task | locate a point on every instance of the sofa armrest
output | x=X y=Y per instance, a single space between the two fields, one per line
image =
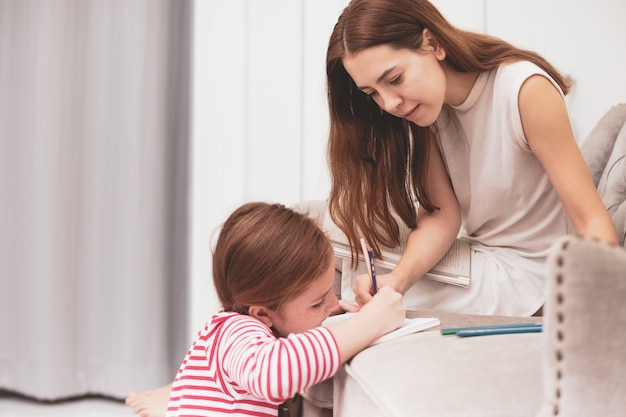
x=585 y=329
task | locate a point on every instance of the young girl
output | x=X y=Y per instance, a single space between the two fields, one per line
x=473 y=131
x=273 y=270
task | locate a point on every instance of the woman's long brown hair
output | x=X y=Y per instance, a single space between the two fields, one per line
x=369 y=151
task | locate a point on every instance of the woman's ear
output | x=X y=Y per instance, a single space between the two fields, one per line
x=262 y=314
x=430 y=43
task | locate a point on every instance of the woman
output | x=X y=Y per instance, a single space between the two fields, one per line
x=469 y=129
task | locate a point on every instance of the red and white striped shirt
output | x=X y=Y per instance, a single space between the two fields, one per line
x=237 y=367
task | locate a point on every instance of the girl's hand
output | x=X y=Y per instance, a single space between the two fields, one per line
x=386 y=309
x=383 y=314
x=363 y=286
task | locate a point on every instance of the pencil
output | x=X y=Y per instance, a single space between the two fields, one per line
x=454 y=330
x=368 y=254
x=500 y=330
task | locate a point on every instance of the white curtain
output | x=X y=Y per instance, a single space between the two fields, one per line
x=93 y=194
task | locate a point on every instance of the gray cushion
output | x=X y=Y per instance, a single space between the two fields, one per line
x=612 y=185
x=604 y=151
x=598 y=145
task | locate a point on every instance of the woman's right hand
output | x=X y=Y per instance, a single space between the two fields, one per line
x=363 y=286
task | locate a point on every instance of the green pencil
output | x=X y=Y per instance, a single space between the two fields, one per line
x=453 y=330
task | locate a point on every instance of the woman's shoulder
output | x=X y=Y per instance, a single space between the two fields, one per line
x=518 y=66
x=517 y=70
x=513 y=74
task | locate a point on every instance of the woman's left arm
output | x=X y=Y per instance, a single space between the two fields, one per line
x=548 y=130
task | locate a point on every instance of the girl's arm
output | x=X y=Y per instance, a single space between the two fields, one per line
x=275 y=369
x=548 y=130
x=429 y=241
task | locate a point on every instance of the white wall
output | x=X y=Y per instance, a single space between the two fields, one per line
x=259 y=123
x=260 y=116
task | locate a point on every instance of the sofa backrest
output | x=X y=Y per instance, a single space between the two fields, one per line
x=604 y=151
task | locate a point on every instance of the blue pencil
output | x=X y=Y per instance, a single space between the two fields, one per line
x=453 y=330
x=500 y=330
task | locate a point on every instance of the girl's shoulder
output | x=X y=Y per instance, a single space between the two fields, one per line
x=230 y=321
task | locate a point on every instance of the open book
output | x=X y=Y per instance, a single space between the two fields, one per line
x=453 y=268
x=410 y=326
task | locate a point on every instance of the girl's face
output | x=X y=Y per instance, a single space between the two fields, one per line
x=405 y=83
x=309 y=309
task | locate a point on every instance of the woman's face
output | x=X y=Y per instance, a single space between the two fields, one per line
x=405 y=83
x=309 y=309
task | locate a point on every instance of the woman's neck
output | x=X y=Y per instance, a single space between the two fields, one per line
x=459 y=85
